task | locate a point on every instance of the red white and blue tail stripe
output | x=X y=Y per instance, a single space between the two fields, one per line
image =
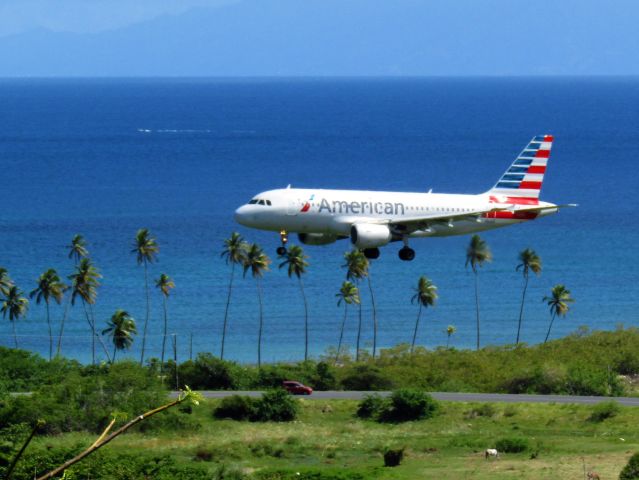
x=526 y=175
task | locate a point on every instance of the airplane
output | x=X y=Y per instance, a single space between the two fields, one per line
x=373 y=219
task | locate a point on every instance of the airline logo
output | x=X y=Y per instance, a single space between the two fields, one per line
x=307 y=205
x=527 y=172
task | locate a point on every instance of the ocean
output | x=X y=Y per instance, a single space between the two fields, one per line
x=105 y=157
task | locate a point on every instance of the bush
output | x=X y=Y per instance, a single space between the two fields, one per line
x=208 y=372
x=631 y=470
x=237 y=407
x=512 y=445
x=604 y=410
x=365 y=377
x=586 y=380
x=86 y=402
x=392 y=458
x=275 y=406
x=484 y=410
x=324 y=377
x=408 y=404
x=370 y=406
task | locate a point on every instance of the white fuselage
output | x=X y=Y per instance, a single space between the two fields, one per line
x=333 y=212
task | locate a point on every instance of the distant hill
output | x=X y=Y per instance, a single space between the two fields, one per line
x=346 y=37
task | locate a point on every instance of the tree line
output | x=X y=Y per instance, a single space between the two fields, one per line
x=121 y=328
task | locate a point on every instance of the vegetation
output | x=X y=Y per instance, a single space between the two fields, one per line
x=631 y=470
x=477 y=254
x=295 y=261
x=356 y=269
x=349 y=294
x=146 y=248
x=530 y=262
x=257 y=262
x=49 y=286
x=401 y=406
x=425 y=296
x=15 y=307
x=558 y=303
x=234 y=253
x=121 y=328
x=165 y=284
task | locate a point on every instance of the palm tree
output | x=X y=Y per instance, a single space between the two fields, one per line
x=450 y=330
x=257 y=262
x=49 y=286
x=349 y=294
x=15 y=306
x=425 y=296
x=165 y=284
x=295 y=260
x=357 y=268
x=477 y=254
x=78 y=248
x=77 y=251
x=558 y=303
x=234 y=252
x=146 y=248
x=121 y=328
x=529 y=261
x=84 y=284
x=5 y=281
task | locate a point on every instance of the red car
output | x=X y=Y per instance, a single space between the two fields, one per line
x=296 y=388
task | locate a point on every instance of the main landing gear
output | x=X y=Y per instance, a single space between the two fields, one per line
x=281 y=251
x=406 y=253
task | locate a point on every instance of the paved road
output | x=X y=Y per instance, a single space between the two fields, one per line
x=452 y=397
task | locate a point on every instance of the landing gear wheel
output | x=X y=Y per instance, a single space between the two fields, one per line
x=371 y=253
x=407 y=254
x=281 y=251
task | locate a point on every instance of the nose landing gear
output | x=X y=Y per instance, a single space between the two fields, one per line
x=281 y=251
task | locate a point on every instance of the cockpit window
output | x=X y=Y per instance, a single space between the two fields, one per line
x=261 y=202
x=253 y=202
x=268 y=202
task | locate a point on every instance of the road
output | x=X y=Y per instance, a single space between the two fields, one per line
x=451 y=397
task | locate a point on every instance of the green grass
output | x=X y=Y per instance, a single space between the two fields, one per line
x=327 y=438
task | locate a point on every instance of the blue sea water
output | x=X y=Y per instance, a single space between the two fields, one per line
x=106 y=157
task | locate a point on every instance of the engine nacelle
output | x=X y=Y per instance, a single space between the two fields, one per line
x=367 y=235
x=316 y=238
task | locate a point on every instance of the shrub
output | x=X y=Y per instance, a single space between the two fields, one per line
x=484 y=410
x=408 y=404
x=370 y=406
x=512 y=445
x=237 y=407
x=324 y=377
x=604 y=410
x=392 y=458
x=631 y=470
x=365 y=377
x=276 y=406
x=207 y=372
x=587 y=380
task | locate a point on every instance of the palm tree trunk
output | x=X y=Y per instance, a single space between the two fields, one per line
x=477 y=306
x=64 y=317
x=15 y=335
x=115 y=349
x=305 y=320
x=226 y=310
x=550 y=326
x=259 y=334
x=448 y=342
x=521 y=310
x=419 y=314
x=341 y=333
x=359 y=333
x=50 y=332
x=106 y=351
x=370 y=288
x=92 y=327
x=164 y=336
x=148 y=308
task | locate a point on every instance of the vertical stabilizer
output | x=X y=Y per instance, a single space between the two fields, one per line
x=526 y=175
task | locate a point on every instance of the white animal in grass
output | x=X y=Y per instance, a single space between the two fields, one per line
x=491 y=452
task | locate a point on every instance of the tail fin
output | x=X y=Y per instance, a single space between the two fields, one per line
x=526 y=174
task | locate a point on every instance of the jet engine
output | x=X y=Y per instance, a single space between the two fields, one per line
x=365 y=235
x=316 y=238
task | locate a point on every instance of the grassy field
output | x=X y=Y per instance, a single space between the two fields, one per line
x=328 y=441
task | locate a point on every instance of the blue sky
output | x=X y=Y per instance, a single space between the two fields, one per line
x=318 y=37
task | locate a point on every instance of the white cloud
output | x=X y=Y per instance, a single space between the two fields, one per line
x=88 y=16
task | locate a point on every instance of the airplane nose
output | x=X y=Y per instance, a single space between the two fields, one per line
x=241 y=215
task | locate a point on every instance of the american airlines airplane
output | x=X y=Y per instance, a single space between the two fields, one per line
x=373 y=219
